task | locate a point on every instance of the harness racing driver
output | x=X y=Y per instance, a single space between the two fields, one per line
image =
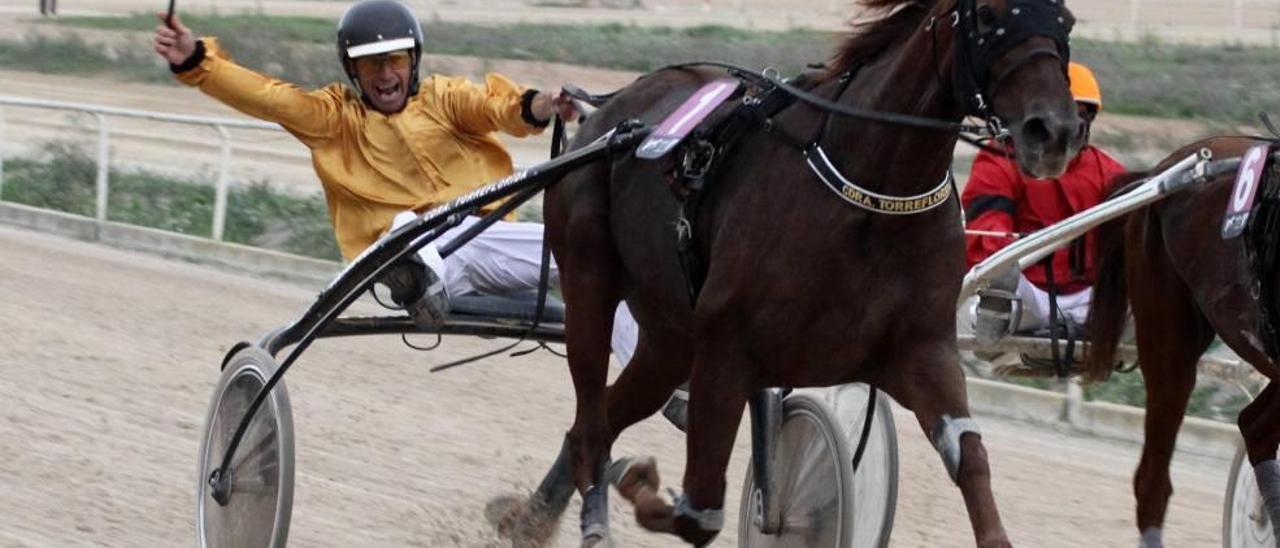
x=392 y=144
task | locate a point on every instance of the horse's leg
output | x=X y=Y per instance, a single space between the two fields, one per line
x=644 y=385
x=591 y=277
x=1260 y=424
x=929 y=382
x=1171 y=335
x=1168 y=361
x=717 y=398
x=591 y=294
x=662 y=361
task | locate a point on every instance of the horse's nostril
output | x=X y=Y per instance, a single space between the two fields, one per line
x=1036 y=131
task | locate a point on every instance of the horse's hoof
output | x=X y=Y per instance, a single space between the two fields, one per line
x=689 y=531
x=516 y=518
x=1152 y=537
x=996 y=543
x=654 y=514
x=597 y=541
x=630 y=476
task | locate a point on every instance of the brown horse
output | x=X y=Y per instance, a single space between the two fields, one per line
x=1184 y=284
x=801 y=288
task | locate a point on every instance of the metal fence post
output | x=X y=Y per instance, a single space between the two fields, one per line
x=1074 y=398
x=1 y=153
x=220 y=191
x=104 y=166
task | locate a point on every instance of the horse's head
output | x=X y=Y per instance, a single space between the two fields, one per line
x=1011 y=66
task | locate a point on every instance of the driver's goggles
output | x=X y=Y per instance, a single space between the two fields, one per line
x=397 y=60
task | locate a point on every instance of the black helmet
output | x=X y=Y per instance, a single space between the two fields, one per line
x=370 y=27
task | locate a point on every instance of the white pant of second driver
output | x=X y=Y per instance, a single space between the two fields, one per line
x=1035 y=307
x=507 y=258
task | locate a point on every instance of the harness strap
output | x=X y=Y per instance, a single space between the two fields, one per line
x=753 y=112
x=874 y=202
x=557 y=147
x=1058 y=368
x=1062 y=361
x=1262 y=249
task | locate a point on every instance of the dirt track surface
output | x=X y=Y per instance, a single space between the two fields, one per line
x=109 y=359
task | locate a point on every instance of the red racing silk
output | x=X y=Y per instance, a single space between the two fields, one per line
x=999 y=198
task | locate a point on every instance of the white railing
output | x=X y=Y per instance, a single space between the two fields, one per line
x=101 y=115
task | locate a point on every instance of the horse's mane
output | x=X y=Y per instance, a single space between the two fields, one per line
x=891 y=21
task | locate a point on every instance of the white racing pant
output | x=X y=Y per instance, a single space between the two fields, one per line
x=507 y=258
x=1035 y=306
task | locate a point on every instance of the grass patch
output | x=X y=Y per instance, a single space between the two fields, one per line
x=62 y=178
x=1229 y=83
x=613 y=46
x=1209 y=399
x=1151 y=78
x=69 y=53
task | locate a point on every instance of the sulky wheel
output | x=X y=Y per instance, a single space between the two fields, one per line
x=812 y=467
x=1244 y=521
x=256 y=514
x=875 y=482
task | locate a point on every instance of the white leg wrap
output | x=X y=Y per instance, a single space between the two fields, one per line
x=1268 y=474
x=595 y=512
x=707 y=520
x=946 y=440
x=1152 y=537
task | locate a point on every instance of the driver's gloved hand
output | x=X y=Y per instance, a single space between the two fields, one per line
x=995 y=309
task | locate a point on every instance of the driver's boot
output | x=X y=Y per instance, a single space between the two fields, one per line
x=996 y=315
x=419 y=290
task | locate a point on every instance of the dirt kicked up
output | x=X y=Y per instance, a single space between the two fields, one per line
x=107 y=359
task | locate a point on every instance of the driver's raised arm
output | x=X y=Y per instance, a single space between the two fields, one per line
x=311 y=116
x=498 y=105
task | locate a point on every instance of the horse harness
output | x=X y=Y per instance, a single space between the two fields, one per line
x=982 y=37
x=1262 y=251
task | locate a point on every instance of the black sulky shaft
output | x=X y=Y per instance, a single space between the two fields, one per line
x=361 y=274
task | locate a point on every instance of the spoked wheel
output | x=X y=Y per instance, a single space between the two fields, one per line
x=261 y=499
x=1244 y=520
x=812 y=467
x=875 y=482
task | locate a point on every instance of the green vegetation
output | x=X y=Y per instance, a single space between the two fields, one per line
x=69 y=53
x=612 y=46
x=1210 y=399
x=1226 y=83
x=62 y=178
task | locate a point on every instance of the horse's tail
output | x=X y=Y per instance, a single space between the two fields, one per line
x=1108 y=311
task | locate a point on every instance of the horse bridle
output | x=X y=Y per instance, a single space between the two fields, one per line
x=982 y=37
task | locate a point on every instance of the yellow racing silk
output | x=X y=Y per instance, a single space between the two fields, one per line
x=374 y=165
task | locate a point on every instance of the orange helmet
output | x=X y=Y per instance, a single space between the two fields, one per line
x=1084 y=87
